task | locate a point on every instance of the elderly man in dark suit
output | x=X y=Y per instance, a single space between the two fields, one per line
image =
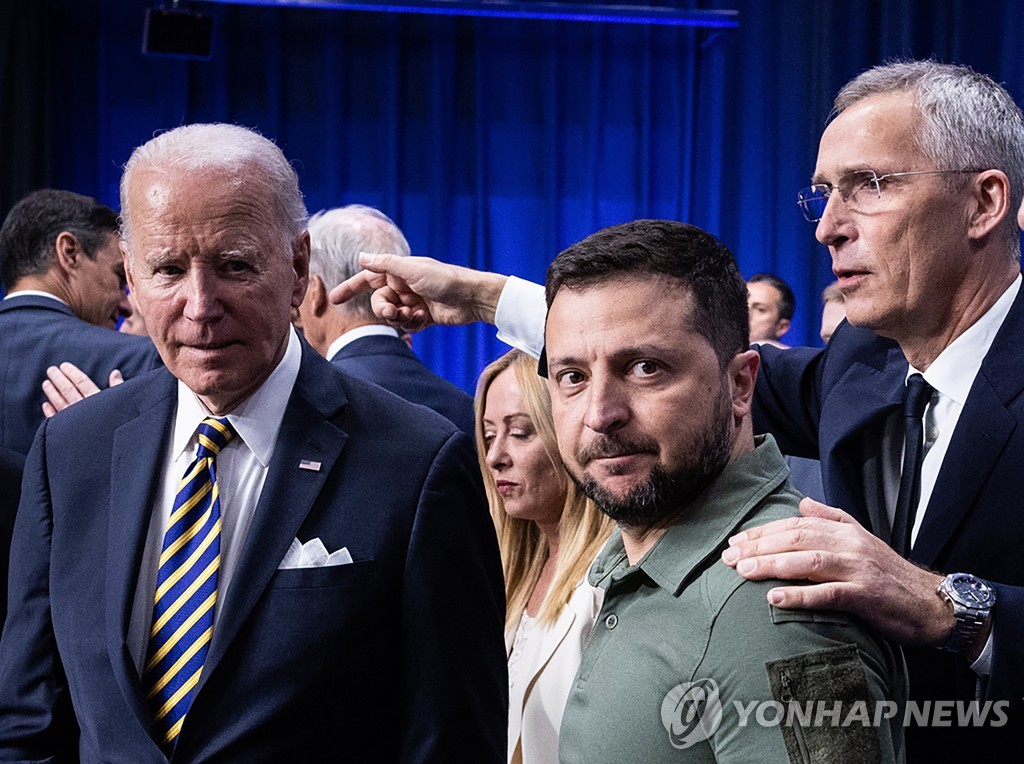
x=350 y=335
x=62 y=271
x=248 y=555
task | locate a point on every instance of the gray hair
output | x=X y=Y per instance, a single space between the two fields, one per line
x=968 y=121
x=221 y=146
x=337 y=236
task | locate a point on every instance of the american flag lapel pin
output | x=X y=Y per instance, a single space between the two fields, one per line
x=306 y=464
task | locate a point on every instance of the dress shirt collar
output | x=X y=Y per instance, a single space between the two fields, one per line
x=952 y=373
x=256 y=420
x=35 y=293
x=370 y=330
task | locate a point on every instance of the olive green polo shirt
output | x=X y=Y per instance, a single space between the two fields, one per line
x=680 y=625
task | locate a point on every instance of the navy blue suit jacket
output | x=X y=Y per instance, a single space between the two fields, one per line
x=388 y=362
x=832 y=404
x=38 y=332
x=397 y=656
x=11 y=465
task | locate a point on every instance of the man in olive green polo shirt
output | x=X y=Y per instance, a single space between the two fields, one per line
x=651 y=381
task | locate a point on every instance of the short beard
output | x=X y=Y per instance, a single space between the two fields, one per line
x=664 y=495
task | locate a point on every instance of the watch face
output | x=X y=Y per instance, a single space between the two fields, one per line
x=971 y=591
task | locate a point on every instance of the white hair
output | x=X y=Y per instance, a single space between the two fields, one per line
x=337 y=236
x=968 y=121
x=220 y=146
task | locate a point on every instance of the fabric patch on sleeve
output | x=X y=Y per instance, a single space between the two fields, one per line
x=828 y=712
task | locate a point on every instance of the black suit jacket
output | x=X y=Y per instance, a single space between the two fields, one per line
x=832 y=405
x=397 y=656
x=388 y=362
x=38 y=332
x=11 y=465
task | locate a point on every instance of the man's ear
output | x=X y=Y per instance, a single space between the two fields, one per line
x=127 y=262
x=316 y=294
x=742 y=378
x=300 y=264
x=69 y=251
x=782 y=327
x=991 y=193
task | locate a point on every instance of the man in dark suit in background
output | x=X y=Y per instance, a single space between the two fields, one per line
x=62 y=271
x=323 y=582
x=350 y=336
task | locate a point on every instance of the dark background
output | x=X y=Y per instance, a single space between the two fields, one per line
x=493 y=143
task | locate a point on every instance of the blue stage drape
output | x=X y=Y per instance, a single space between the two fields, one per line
x=493 y=143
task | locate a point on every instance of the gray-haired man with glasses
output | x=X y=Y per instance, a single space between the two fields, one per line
x=928 y=162
x=918 y=177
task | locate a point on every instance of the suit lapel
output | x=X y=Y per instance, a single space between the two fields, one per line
x=552 y=638
x=136 y=453
x=287 y=496
x=981 y=433
x=873 y=393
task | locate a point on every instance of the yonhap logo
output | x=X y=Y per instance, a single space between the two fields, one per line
x=691 y=712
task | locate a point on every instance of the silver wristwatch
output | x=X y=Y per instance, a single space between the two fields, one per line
x=972 y=600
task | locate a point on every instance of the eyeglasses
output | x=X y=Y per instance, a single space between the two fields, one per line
x=861 y=191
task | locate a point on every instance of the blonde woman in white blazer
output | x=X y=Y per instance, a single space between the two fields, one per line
x=549 y=533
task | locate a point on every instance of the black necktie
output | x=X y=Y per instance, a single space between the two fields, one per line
x=918 y=394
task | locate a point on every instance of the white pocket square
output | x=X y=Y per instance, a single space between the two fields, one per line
x=313 y=554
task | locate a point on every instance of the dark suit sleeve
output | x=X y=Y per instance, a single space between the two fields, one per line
x=1006 y=680
x=787 y=398
x=36 y=719
x=12 y=464
x=455 y=696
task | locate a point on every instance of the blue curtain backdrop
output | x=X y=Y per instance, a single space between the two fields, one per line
x=493 y=143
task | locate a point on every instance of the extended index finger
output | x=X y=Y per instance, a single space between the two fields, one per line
x=362 y=282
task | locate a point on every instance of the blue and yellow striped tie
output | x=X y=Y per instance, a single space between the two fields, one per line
x=186 y=589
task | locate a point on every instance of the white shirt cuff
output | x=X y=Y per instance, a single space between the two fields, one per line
x=520 y=315
x=983 y=665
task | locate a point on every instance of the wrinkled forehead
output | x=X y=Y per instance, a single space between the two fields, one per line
x=614 y=315
x=879 y=132
x=185 y=196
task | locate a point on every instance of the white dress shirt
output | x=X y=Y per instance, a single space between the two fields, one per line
x=519 y=315
x=241 y=471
